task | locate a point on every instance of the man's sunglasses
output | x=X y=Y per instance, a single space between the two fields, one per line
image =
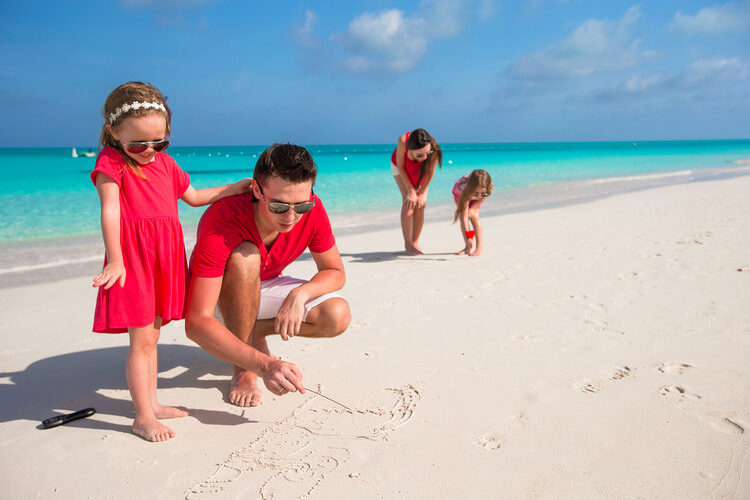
x=139 y=147
x=279 y=208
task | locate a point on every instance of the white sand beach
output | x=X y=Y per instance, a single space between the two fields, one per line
x=595 y=351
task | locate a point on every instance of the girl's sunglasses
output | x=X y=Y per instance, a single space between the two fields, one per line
x=279 y=208
x=141 y=146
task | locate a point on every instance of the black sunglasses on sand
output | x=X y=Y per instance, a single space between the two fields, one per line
x=139 y=147
x=279 y=208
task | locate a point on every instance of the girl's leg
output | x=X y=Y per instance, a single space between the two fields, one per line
x=160 y=411
x=138 y=372
x=418 y=224
x=407 y=219
x=477 y=224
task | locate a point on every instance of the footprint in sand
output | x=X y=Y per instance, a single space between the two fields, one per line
x=595 y=315
x=673 y=368
x=692 y=403
x=695 y=239
x=494 y=440
x=292 y=458
x=596 y=385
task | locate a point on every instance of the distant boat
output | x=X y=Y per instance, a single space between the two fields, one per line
x=89 y=154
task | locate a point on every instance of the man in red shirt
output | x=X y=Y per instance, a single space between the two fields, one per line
x=244 y=243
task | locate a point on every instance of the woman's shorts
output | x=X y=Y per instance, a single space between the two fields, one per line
x=394 y=170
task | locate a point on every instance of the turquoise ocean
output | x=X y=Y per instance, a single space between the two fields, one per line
x=49 y=209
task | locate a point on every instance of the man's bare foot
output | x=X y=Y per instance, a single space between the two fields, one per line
x=244 y=390
x=162 y=411
x=152 y=430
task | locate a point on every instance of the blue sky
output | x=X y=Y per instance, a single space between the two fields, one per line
x=252 y=72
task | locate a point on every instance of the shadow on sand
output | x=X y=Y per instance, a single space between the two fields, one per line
x=387 y=256
x=80 y=380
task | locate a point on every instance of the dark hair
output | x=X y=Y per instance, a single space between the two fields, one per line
x=286 y=161
x=124 y=95
x=418 y=139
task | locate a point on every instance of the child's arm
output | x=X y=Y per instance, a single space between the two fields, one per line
x=464 y=218
x=109 y=195
x=199 y=197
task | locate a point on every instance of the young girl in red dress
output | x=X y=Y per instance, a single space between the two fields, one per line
x=469 y=192
x=143 y=282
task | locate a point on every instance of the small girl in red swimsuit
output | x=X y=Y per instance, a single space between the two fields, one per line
x=142 y=285
x=469 y=192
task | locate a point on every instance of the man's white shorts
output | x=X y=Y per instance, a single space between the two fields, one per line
x=273 y=292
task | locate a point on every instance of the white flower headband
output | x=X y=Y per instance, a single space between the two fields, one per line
x=135 y=105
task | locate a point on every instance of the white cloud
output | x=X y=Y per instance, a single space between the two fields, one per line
x=486 y=9
x=730 y=18
x=714 y=72
x=304 y=33
x=385 y=42
x=442 y=18
x=596 y=46
x=715 y=77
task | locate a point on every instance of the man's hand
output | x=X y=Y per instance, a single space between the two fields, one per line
x=281 y=377
x=290 y=315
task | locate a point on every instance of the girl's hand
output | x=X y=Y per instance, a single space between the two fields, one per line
x=411 y=199
x=111 y=274
x=242 y=187
x=421 y=200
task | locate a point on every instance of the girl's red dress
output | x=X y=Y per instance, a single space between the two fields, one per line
x=152 y=245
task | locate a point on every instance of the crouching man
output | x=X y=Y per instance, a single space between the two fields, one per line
x=244 y=243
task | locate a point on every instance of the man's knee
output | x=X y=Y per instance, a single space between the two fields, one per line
x=243 y=263
x=335 y=316
x=240 y=288
x=243 y=254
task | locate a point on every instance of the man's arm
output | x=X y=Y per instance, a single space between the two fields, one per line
x=329 y=278
x=205 y=330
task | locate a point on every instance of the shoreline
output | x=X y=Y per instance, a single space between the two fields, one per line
x=28 y=262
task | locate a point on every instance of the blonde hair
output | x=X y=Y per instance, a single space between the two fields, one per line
x=119 y=106
x=477 y=179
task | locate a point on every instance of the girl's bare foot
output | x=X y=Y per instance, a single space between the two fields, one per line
x=162 y=411
x=152 y=430
x=414 y=250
